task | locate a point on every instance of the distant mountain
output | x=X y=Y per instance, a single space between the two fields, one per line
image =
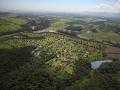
x=4 y=13
x=102 y=14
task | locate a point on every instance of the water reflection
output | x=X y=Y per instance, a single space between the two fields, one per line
x=97 y=64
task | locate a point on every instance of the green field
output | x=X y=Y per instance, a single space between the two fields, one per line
x=10 y=23
x=93 y=28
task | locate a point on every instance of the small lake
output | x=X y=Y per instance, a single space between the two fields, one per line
x=97 y=64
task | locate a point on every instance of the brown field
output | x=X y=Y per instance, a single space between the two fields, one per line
x=113 y=52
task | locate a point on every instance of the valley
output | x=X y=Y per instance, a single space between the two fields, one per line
x=54 y=52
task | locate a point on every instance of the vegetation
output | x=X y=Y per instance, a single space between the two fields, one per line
x=10 y=23
x=93 y=28
x=54 y=60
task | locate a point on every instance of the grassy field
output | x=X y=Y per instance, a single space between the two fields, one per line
x=93 y=28
x=102 y=36
x=10 y=23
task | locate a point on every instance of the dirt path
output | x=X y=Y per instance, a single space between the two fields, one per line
x=44 y=30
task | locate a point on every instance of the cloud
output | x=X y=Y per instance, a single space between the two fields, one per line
x=119 y=1
x=52 y=7
x=112 y=8
x=104 y=6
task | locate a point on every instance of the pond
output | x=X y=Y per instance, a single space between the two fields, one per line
x=97 y=64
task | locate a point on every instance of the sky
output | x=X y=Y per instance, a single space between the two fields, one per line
x=112 y=6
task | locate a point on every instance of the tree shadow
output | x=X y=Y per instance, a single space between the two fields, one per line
x=14 y=58
x=11 y=59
